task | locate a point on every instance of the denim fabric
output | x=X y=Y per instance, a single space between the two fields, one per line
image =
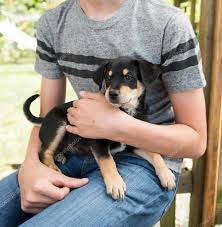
x=145 y=203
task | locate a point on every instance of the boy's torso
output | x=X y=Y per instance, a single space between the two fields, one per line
x=135 y=30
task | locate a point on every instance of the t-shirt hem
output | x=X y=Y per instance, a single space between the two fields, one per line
x=49 y=74
x=182 y=88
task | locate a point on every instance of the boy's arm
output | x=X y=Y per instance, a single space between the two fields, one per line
x=37 y=190
x=186 y=138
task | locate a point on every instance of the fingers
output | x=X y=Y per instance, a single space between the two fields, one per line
x=72 y=129
x=32 y=210
x=71 y=118
x=55 y=193
x=70 y=182
x=35 y=203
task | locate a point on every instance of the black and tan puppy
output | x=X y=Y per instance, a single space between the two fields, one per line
x=125 y=80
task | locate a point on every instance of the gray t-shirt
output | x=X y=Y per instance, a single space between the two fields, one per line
x=72 y=44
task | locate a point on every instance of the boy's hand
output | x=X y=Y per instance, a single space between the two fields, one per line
x=94 y=117
x=41 y=186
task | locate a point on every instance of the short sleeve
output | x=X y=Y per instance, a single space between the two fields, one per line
x=181 y=58
x=46 y=62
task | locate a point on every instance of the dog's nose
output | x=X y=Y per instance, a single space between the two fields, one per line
x=113 y=93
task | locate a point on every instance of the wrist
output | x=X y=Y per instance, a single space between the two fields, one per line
x=120 y=125
x=32 y=156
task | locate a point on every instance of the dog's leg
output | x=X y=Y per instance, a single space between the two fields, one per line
x=167 y=178
x=48 y=159
x=47 y=155
x=115 y=186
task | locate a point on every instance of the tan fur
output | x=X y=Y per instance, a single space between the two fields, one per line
x=132 y=95
x=48 y=158
x=110 y=73
x=115 y=185
x=167 y=178
x=125 y=71
x=128 y=97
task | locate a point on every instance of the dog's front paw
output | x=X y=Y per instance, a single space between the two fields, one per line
x=167 y=178
x=116 y=187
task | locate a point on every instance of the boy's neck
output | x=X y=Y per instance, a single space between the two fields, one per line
x=100 y=9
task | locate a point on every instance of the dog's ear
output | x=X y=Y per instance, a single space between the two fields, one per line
x=99 y=74
x=148 y=72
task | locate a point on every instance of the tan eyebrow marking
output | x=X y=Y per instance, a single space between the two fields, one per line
x=110 y=73
x=125 y=71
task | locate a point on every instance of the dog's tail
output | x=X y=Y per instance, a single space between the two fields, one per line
x=27 y=112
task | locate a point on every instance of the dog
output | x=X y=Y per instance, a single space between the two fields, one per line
x=125 y=81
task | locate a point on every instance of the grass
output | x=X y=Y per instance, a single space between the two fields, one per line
x=17 y=82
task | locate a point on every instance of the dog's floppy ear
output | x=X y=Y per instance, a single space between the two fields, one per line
x=148 y=72
x=99 y=74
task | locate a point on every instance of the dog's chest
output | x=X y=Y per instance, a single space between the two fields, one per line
x=130 y=108
x=118 y=147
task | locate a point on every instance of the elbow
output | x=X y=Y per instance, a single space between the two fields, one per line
x=201 y=149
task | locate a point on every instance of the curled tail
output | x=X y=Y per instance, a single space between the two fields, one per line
x=27 y=112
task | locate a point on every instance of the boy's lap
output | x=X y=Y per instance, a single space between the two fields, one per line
x=90 y=206
x=144 y=203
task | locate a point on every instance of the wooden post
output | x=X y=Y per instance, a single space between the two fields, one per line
x=193 y=13
x=206 y=41
x=219 y=197
x=214 y=124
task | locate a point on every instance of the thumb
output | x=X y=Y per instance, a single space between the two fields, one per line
x=90 y=95
x=71 y=182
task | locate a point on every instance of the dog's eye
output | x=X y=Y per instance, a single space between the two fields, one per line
x=129 y=76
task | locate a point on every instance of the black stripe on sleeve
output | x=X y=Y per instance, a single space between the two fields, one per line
x=180 y=65
x=81 y=59
x=45 y=57
x=180 y=49
x=45 y=47
x=77 y=72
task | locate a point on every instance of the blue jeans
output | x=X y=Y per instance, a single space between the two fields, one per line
x=145 y=203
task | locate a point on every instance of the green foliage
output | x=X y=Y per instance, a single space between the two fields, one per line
x=9 y=52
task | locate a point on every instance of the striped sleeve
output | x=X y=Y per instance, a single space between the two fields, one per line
x=181 y=58
x=46 y=62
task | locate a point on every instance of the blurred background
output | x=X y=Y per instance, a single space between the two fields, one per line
x=18 y=80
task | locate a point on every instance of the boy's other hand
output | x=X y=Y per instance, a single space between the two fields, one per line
x=41 y=186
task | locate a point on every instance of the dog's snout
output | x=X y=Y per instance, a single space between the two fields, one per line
x=113 y=93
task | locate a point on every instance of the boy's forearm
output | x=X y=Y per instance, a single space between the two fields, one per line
x=171 y=140
x=34 y=144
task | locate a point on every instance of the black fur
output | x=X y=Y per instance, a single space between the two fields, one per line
x=27 y=112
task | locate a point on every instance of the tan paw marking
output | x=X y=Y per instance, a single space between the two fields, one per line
x=167 y=178
x=116 y=187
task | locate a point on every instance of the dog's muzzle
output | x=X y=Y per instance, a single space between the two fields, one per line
x=114 y=96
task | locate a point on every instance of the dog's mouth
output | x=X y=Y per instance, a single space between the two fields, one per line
x=119 y=104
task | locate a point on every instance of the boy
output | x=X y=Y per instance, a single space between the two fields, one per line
x=73 y=39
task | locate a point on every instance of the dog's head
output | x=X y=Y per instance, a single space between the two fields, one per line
x=126 y=80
